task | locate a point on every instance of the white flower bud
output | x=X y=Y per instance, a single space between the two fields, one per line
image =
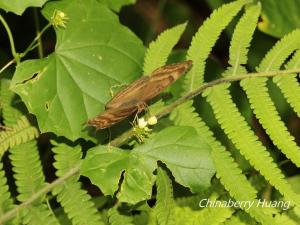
x=142 y=123
x=152 y=120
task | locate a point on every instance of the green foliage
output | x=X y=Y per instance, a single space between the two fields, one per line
x=204 y=40
x=47 y=93
x=70 y=194
x=279 y=17
x=94 y=53
x=180 y=148
x=5 y=198
x=116 y=5
x=18 y=7
x=17 y=134
x=159 y=50
x=115 y=218
x=165 y=202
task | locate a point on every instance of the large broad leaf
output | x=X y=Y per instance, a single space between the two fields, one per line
x=279 y=17
x=116 y=5
x=19 y=6
x=93 y=53
x=180 y=148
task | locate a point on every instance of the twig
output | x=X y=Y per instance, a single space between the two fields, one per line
x=11 y=39
x=7 y=65
x=166 y=110
x=10 y=214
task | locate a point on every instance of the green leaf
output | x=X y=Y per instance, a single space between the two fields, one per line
x=116 y=5
x=72 y=84
x=159 y=50
x=279 y=17
x=180 y=148
x=18 y=7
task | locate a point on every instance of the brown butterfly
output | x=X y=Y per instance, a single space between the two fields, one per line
x=134 y=97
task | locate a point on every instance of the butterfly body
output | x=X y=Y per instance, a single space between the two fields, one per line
x=135 y=96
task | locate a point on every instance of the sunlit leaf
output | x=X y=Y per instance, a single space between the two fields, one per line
x=180 y=148
x=72 y=84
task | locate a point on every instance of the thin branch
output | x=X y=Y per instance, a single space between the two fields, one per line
x=11 y=39
x=35 y=40
x=7 y=65
x=166 y=110
x=12 y=213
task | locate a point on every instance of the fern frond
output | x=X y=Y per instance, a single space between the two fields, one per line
x=159 y=50
x=37 y=215
x=204 y=40
x=19 y=133
x=27 y=169
x=236 y=128
x=262 y=104
x=115 y=218
x=6 y=202
x=224 y=163
x=240 y=218
x=165 y=201
x=214 y=215
x=9 y=102
x=241 y=39
x=289 y=85
x=70 y=194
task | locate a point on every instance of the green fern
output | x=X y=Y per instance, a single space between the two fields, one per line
x=289 y=84
x=262 y=104
x=115 y=218
x=10 y=103
x=70 y=194
x=17 y=134
x=246 y=141
x=29 y=178
x=165 y=201
x=40 y=214
x=204 y=40
x=224 y=163
x=27 y=169
x=159 y=50
x=6 y=202
x=241 y=39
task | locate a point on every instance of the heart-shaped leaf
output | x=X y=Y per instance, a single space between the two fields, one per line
x=180 y=148
x=18 y=7
x=93 y=53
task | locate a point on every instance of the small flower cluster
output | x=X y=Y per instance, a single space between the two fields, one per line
x=59 y=19
x=141 y=129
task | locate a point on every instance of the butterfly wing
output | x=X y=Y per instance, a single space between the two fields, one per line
x=129 y=96
x=162 y=78
x=111 y=117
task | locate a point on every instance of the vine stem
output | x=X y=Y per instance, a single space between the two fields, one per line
x=10 y=214
x=36 y=39
x=166 y=110
x=7 y=65
x=11 y=39
x=121 y=139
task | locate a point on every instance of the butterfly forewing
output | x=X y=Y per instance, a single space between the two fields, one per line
x=134 y=97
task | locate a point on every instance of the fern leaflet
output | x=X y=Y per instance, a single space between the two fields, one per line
x=165 y=201
x=262 y=104
x=115 y=218
x=6 y=202
x=289 y=84
x=70 y=194
x=224 y=163
x=19 y=133
x=159 y=50
x=204 y=40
